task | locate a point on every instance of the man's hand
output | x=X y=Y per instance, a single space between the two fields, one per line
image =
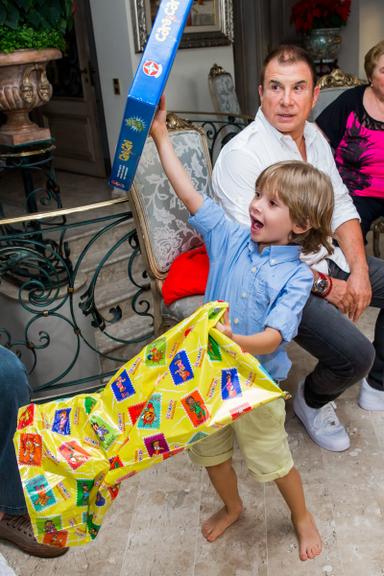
x=359 y=287
x=351 y=296
x=358 y=292
x=338 y=295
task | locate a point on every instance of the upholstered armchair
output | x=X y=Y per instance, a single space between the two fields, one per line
x=331 y=86
x=162 y=220
x=222 y=90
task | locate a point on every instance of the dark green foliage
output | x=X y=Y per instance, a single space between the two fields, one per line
x=34 y=23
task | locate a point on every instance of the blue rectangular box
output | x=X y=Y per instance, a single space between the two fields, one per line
x=147 y=87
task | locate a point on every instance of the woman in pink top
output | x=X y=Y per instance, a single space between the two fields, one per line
x=354 y=125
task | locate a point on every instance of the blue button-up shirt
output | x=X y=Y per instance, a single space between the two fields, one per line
x=264 y=289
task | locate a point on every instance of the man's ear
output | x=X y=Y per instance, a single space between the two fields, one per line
x=260 y=91
x=316 y=94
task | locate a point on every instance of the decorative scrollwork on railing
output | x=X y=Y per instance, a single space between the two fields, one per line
x=51 y=284
x=218 y=127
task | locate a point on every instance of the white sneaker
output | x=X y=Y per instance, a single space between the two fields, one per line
x=322 y=424
x=370 y=398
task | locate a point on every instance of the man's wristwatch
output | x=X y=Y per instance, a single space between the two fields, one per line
x=322 y=284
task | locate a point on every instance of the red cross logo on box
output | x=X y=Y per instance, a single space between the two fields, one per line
x=152 y=68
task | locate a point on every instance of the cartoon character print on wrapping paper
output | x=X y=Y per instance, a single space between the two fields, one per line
x=26 y=417
x=156 y=445
x=93 y=529
x=74 y=454
x=53 y=534
x=40 y=493
x=135 y=411
x=114 y=491
x=122 y=387
x=50 y=524
x=150 y=415
x=155 y=353
x=213 y=350
x=83 y=491
x=89 y=403
x=195 y=408
x=103 y=431
x=180 y=368
x=61 y=422
x=115 y=462
x=30 y=452
x=100 y=500
x=230 y=384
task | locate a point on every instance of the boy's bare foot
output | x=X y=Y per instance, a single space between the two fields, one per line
x=310 y=544
x=217 y=524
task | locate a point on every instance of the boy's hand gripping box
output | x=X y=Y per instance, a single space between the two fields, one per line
x=147 y=88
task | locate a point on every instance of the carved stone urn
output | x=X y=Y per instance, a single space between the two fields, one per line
x=23 y=87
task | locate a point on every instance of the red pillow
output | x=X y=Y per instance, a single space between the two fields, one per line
x=187 y=275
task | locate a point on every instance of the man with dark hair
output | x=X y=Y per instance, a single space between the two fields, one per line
x=15 y=525
x=345 y=283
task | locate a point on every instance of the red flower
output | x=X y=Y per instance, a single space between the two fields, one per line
x=309 y=14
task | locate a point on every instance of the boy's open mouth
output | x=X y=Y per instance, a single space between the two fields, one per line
x=256 y=224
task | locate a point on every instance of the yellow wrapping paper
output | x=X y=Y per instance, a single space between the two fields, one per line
x=73 y=453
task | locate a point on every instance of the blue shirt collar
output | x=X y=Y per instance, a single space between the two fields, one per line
x=275 y=254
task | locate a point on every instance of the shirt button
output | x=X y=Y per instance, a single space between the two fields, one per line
x=243 y=294
x=253 y=269
x=273 y=261
x=236 y=321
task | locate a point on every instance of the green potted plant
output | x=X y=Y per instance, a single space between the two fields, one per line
x=32 y=32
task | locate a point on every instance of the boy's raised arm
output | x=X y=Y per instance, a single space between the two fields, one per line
x=173 y=168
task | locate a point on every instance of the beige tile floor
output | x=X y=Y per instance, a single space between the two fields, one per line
x=153 y=529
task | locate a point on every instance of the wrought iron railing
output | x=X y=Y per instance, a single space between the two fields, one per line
x=218 y=127
x=51 y=266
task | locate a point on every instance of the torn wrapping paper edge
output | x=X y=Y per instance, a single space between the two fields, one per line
x=73 y=453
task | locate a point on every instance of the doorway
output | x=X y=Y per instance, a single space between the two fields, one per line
x=75 y=114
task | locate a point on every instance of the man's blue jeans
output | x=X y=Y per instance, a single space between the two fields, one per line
x=14 y=392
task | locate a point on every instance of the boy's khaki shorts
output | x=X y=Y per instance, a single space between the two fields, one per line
x=262 y=440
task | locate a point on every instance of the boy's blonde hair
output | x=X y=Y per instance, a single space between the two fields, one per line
x=308 y=194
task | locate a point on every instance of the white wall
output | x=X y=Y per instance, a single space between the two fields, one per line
x=364 y=29
x=349 y=54
x=371 y=27
x=187 y=87
x=113 y=47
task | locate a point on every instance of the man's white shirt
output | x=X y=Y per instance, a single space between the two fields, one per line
x=258 y=146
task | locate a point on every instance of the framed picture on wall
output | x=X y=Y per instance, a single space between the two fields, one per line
x=210 y=23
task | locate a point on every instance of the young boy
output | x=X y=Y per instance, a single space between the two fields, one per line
x=266 y=285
